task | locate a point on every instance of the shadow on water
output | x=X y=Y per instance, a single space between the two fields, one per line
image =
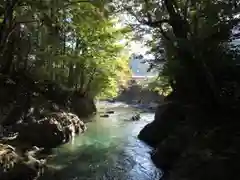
x=109 y=150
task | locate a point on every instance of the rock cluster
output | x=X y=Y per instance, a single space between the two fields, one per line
x=51 y=131
x=15 y=167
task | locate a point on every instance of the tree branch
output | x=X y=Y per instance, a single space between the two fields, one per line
x=185 y=11
x=47 y=7
x=157 y=23
x=176 y=6
x=147 y=8
x=27 y=21
x=150 y=22
x=76 y=2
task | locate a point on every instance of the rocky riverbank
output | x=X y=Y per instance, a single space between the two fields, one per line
x=16 y=164
x=34 y=118
x=191 y=144
x=16 y=154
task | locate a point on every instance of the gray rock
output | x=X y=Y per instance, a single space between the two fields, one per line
x=136 y=117
x=110 y=112
x=104 y=116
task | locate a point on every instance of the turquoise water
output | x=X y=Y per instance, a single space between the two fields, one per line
x=108 y=150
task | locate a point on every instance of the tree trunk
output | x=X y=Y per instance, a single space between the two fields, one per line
x=6 y=37
x=91 y=77
x=196 y=70
x=70 y=75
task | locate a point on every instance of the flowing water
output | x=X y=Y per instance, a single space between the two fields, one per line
x=108 y=150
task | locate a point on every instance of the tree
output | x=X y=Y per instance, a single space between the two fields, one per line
x=69 y=42
x=190 y=37
x=65 y=50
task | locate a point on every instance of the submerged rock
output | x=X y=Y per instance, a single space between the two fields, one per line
x=110 y=112
x=104 y=116
x=111 y=100
x=51 y=131
x=136 y=117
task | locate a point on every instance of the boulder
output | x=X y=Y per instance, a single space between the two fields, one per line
x=82 y=106
x=51 y=131
x=167 y=117
x=110 y=112
x=68 y=120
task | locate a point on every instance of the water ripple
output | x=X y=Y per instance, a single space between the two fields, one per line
x=109 y=150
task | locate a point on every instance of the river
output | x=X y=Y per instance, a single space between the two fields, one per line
x=108 y=150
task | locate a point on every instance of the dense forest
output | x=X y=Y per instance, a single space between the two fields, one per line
x=70 y=43
x=196 y=132
x=58 y=56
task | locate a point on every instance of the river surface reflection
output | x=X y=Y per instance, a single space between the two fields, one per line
x=108 y=150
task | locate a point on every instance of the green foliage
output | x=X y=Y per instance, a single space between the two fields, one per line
x=189 y=41
x=158 y=84
x=161 y=85
x=73 y=43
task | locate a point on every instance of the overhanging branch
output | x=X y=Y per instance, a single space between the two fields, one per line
x=150 y=22
x=185 y=10
x=157 y=23
x=147 y=10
